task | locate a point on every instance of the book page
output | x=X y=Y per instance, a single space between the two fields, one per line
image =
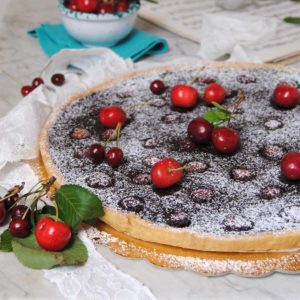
x=185 y=17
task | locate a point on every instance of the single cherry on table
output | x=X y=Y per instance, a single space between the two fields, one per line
x=37 y=81
x=200 y=130
x=26 y=89
x=58 y=79
x=184 y=96
x=111 y=116
x=157 y=87
x=214 y=92
x=114 y=156
x=166 y=173
x=286 y=96
x=52 y=235
x=225 y=140
x=96 y=153
x=290 y=165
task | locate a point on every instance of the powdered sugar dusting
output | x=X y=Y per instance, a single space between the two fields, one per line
x=165 y=128
x=205 y=264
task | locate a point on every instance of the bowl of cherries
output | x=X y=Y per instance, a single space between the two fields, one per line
x=98 y=22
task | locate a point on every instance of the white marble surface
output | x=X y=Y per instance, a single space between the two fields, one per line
x=21 y=57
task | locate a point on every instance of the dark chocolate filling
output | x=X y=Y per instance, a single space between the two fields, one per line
x=226 y=202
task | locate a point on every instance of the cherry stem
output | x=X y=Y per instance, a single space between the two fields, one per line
x=109 y=139
x=170 y=170
x=118 y=129
x=194 y=78
x=56 y=210
x=12 y=78
x=117 y=132
x=25 y=213
x=235 y=105
x=221 y=107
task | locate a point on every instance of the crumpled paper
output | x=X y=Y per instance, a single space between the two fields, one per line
x=234 y=33
x=20 y=128
x=19 y=138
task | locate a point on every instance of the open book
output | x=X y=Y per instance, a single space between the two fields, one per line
x=184 y=18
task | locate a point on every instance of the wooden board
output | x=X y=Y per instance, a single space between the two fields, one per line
x=255 y=264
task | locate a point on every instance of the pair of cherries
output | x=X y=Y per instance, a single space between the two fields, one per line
x=111 y=117
x=186 y=96
x=51 y=235
x=95 y=6
x=96 y=153
x=27 y=89
x=225 y=140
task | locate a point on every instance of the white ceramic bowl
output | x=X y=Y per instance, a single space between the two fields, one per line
x=98 y=29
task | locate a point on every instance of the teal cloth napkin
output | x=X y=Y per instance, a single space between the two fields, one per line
x=54 y=37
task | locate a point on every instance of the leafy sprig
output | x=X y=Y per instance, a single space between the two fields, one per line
x=221 y=114
x=74 y=205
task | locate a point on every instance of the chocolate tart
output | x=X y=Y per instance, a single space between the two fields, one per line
x=232 y=203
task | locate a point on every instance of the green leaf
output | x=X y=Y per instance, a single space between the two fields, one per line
x=217 y=116
x=31 y=255
x=48 y=210
x=77 y=204
x=292 y=20
x=5 y=241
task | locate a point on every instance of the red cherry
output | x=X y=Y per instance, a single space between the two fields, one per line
x=26 y=89
x=72 y=2
x=96 y=153
x=290 y=165
x=19 y=227
x=114 y=156
x=122 y=6
x=52 y=235
x=165 y=173
x=157 y=87
x=87 y=6
x=58 y=79
x=200 y=130
x=110 y=116
x=2 y=212
x=286 y=96
x=214 y=92
x=225 y=140
x=106 y=8
x=184 y=96
x=37 y=81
